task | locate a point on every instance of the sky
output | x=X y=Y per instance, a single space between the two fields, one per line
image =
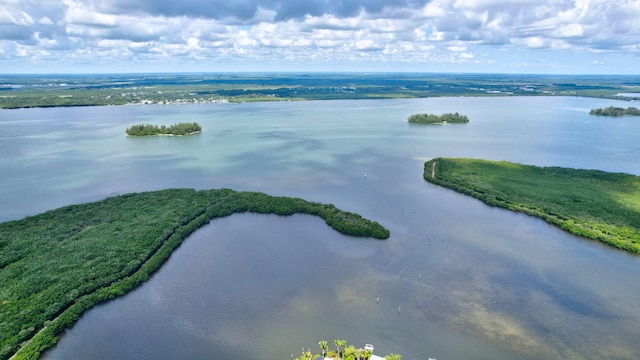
x=474 y=36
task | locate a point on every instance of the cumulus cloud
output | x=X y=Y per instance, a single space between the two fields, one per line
x=399 y=31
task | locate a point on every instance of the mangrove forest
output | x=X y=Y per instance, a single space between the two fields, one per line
x=57 y=264
x=438 y=119
x=593 y=204
x=180 y=129
x=616 y=111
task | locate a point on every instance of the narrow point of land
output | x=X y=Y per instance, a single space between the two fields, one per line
x=56 y=265
x=593 y=204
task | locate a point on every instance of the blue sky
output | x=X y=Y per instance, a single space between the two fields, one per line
x=517 y=36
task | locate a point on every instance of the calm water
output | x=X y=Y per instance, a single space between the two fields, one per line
x=456 y=280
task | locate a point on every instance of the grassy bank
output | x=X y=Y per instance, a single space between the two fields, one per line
x=593 y=204
x=56 y=265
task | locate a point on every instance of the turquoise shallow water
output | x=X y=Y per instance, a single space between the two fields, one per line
x=470 y=281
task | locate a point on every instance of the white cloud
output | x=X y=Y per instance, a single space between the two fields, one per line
x=367 y=45
x=78 y=14
x=455 y=48
x=570 y=30
x=535 y=42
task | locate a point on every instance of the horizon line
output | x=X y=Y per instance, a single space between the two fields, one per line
x=344 y=72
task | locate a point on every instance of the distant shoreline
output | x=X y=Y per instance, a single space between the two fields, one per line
x=162 y=89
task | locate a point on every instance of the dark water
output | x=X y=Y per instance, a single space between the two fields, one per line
x=456 y=280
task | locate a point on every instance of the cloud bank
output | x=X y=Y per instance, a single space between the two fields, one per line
x=390 y=35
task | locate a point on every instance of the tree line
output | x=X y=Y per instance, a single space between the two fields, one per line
x=438 y=119
x=175 y=129
x=616 y=111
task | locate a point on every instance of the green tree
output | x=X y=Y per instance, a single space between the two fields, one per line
x=324 y=346
x=340 y=345
x=437 y=119
x=616 y=111
x=307 y=355
x=175 y=129
x=393 y=357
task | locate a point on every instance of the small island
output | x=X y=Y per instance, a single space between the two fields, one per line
x=181 y=129
x=56 y=265
x=592 y=204
x=438 y=119
x=616 y=111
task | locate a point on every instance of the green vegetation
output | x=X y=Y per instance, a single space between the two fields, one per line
x=181 y=129
x=589 y=203
x=56 y=265
x=437 y=119
x=616 y=111
x=343 y=352
x=21 y=91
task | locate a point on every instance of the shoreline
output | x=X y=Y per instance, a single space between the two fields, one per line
x=141 y=136
x=264 y=100
x=150 y=89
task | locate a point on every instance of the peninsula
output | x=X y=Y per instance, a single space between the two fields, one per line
x=438 y=119
x=56 y=265
x=593 y=204
x=181 y=129
x=616 y=111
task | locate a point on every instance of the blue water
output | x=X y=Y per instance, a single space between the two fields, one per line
x=456 y=280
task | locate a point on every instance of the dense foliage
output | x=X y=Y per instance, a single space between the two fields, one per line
x=438 y=119
x=55 y=265
x=590 y=203
x=616 y=111
x=175 y=129
x=344 y=351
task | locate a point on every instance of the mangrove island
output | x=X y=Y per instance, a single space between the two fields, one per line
x=593 y=204
x=181 y=129
x=57 y=264
x=438 y=119
x=616 y=111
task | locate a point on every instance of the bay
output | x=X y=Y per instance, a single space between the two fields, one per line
x=456 y=280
